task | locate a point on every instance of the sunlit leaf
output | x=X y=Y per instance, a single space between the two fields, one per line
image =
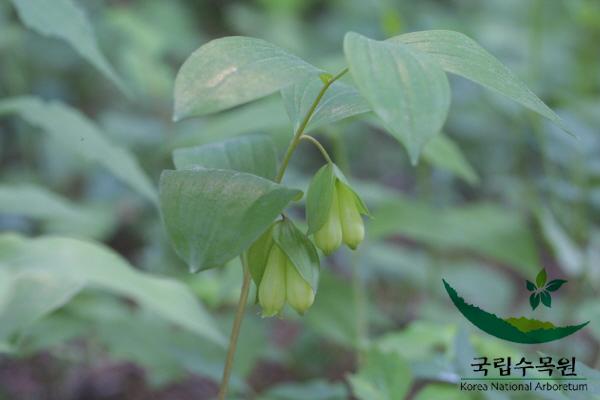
x=254 y=154
x=406 y=89
x=233 y=70
x=81 y=136
x=461 y=55
x=213 y=215
x=64 y=19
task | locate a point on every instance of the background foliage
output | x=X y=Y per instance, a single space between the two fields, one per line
x=94 y=303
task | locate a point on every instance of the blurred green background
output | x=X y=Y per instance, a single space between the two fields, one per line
x=512 y=195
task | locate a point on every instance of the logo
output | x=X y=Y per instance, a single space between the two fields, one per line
x=522 y=329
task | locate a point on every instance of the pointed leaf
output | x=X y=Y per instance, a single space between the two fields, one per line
x=213 y=215
x=339 y=101
x=461 y=55
x=406 y=89
x=300 y=250
x=546 y=298
x=530 y=286
x=442 y=152
x=254 y=154
x=234 y=70
x=555 y=284
x=258 y=253
x=82 y=136
x=541 y=277
x=63 y=19
x=534 y=300
x=319 y=197
x=48 y=271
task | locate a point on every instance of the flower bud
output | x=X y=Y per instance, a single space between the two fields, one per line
x=299 y=294
x=353 y=228
x=329 y=237
x=271 y=292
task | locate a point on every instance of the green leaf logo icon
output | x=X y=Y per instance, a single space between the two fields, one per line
x=541 y=290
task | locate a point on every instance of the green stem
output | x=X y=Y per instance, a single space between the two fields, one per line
x=235 y=330
x=239 y=315
x=318 y=145
x=303 y=124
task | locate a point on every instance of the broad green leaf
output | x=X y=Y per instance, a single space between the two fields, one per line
x=442 y=152
x=406 y=89
x=234 y=70
x=63 y=19
x=300 y=251
x=213 y=215
x=318 y=197
x=59 y=213
x=385 y=376
x=540 y=279
x=48 y=271
x=264 y=115
x=458 y=54
x=80 y=135
x=254 y=154
x=483 y=229
x=339 y=101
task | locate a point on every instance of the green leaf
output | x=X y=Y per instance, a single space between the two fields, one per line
x=406 y=89
x=554 y=285
x=546 y=298
x=540 y=279
x=442 y=152
x=47 y=272
x=530 y=286
x=300 y=250
x=254 y=154
x=213 y=215
x=264 y=115
x=63 y=19
x=258 y=253
x=319 y=197
x=339 y=101
x=75 y=132
x=569 y=256
x=458 y=54
x=534 y=300
x=362 y=207
x=439 y=391
x=234 y=70
x=385 y=376
x=58 y=213
x=486 y=229
x=313 y=390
